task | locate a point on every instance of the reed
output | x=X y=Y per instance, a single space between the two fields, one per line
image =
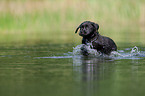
x=33 y=19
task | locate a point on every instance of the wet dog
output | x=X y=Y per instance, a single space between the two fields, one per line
x=89 y=32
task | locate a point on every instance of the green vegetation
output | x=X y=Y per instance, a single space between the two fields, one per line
x=22 y=20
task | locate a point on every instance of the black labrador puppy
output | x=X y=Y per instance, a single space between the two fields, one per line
x=90 y=34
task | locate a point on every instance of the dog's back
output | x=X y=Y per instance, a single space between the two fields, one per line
x=104 y=44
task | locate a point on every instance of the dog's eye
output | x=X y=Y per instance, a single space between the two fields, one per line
x=82 y=26
x=86 y=26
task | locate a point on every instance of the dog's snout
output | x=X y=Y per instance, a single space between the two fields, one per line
x=83 y=31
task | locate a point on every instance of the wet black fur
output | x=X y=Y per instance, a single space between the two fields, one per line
x=89 y=32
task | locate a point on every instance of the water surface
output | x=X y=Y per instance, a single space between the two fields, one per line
x=56 y=70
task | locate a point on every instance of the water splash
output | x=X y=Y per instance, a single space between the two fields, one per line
x=135 y=50
x=77 y=50
x=133 y=53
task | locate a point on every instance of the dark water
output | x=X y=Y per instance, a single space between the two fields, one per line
x=57 y=70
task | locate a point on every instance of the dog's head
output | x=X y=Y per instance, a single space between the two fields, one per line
x=87 y=28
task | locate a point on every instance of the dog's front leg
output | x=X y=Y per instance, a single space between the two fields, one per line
x=84 y=50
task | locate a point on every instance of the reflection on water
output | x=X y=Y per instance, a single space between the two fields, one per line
x=91 y=71
x=91 y=68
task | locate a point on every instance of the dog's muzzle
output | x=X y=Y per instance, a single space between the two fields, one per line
x=83 y=33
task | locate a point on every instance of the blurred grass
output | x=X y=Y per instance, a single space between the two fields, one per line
x=32 y=20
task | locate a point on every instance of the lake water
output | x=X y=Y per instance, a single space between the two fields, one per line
x=44 y=69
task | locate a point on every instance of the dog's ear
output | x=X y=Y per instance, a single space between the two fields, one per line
x=77 y=29
x=96 y=26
